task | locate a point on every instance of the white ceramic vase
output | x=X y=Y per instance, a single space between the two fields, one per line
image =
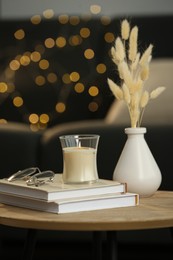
x=137 y=166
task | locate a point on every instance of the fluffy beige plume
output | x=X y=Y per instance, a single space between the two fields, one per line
x=135 y=63
x=126 y=93
x=144 y=99
x=146 y=57
x=134 y=116
x=133 y=70
x=116 y=90
x=133 y=44
x=149 y=59
x=136 y=86
x=120 y=72
x=134 y=103
x=120 y=51
x=126 y=75
x=134 y=110
x=156 y=92
x=113 y=54
x=125 y=29
x=144 y=72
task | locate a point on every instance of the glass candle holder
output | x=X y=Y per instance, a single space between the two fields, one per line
x=79 y=158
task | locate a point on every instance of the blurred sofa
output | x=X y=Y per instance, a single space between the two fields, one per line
x=21 y=147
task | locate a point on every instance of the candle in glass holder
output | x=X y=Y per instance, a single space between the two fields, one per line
x=79 y=158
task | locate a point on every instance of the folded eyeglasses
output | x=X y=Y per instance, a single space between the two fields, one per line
x=33 y=176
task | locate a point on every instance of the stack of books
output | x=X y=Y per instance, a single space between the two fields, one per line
x=57 y=197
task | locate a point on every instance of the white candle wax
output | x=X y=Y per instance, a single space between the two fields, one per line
x=79 y=164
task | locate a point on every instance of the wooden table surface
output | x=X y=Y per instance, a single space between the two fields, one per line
x=152 y=212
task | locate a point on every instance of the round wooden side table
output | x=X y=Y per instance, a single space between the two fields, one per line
x=151 y=213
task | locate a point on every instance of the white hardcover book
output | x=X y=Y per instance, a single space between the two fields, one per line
x=59 y=190
x=87 y=203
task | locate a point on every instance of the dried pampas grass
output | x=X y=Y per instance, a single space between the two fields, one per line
x=133 y=69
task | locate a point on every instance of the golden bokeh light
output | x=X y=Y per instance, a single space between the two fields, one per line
x=63 y=19
x=19 y=34
x=3 y=87
x=44 y=64
x=35 y=19
x=44 y=118
x=52 y=77
x=101 y=68
x=35 y=56
x=89 y=54
x=49 y=43
x=40 y=80
x=93 y=91
x=60 y=107
x=17 y=101
x=74 y=76
x=60 y=42
x=79 y=87
x=33 y=118
x=75 y=40
x=109 y=37
x=14 y=65
x=93 y=106
x=74 y=20
x=95 y=9
x=66 y=78
x=48 y=14
x=85 y=32
x=25 y=60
